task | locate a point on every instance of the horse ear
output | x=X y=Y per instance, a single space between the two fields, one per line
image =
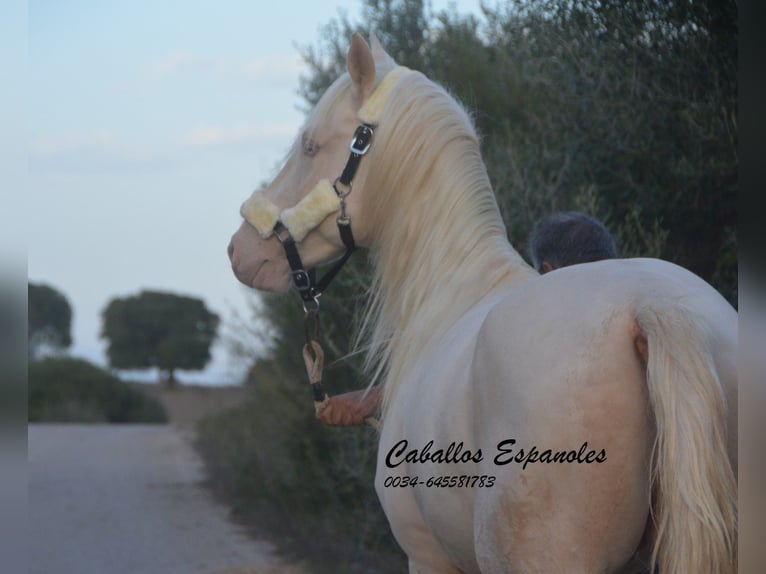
x=361 y=67
x=379 y=54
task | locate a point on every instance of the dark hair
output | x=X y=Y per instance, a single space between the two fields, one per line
x=567 y=238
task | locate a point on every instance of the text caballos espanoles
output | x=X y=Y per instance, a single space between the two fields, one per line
x=456 y=453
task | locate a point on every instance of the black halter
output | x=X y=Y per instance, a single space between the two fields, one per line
x=305 y=281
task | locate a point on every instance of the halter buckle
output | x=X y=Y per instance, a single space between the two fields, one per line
x=362 y=140
x=301 y=280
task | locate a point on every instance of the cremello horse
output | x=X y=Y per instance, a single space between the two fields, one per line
x=492 y=371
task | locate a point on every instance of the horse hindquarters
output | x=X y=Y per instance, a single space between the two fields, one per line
x=586 y=385
x=690 y=376
x=693 y=481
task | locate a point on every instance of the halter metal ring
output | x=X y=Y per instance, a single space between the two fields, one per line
x=341 y=194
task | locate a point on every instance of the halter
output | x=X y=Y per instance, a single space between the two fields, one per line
x=291 y=225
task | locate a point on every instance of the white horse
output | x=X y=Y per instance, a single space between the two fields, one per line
x=495 y=378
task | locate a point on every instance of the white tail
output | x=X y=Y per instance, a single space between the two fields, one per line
x=694 y=489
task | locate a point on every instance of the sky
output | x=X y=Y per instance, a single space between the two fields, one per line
x=148 y=124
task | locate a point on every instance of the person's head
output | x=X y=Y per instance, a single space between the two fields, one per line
x=568 y=238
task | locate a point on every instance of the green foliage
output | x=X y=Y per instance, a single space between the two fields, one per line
x=154 y=329
x=635 y=99
x=305 y=485
x=73 y=390
x=49 y=319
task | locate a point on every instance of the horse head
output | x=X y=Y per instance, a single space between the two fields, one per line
x=313 y=190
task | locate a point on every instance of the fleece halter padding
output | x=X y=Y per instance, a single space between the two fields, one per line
x=323 y=199
x=260 y=213
x=307 y=214
x=372 y=109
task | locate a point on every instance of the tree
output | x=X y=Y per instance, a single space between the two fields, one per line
x=156 y=329
x=49 y=319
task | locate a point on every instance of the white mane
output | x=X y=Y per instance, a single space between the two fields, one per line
x=433 y=211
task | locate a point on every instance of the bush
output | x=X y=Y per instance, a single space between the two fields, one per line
x=297 y=481
x=73 y=390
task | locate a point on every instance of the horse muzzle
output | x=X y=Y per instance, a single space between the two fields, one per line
x=257 y=262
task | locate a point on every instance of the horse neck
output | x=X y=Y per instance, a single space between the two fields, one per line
x=442 y=256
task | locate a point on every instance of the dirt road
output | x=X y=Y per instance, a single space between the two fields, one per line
x=127 y=499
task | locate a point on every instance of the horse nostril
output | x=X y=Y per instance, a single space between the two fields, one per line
x=230 y=249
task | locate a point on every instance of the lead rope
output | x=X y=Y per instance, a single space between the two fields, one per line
x=313 y=358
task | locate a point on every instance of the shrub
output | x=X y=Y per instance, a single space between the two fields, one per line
x=73 y=390
x=299 y=482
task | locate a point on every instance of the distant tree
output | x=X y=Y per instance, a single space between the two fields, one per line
x=163 y=330
x=49 y=320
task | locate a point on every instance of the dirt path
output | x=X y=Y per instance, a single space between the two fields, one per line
x=127 y=499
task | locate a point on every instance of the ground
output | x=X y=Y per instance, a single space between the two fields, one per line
x=186 y=404
x=129 y=499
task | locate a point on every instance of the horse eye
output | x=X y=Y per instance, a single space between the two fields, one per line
x=310 y=148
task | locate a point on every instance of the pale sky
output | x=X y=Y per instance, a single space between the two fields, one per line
x=149 y=123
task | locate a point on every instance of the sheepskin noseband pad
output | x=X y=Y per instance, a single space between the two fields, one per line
x=311 y=210
x=299 y=220
x=260 y=213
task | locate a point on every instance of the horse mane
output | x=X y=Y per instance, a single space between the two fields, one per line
x=439 y=244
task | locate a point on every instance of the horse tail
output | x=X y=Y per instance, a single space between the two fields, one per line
x=693 y=485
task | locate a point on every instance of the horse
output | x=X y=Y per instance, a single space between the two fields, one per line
x=581 y=421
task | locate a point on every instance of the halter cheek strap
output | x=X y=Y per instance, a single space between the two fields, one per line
x=294 y=223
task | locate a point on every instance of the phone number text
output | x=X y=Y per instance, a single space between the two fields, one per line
x=463 y=481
